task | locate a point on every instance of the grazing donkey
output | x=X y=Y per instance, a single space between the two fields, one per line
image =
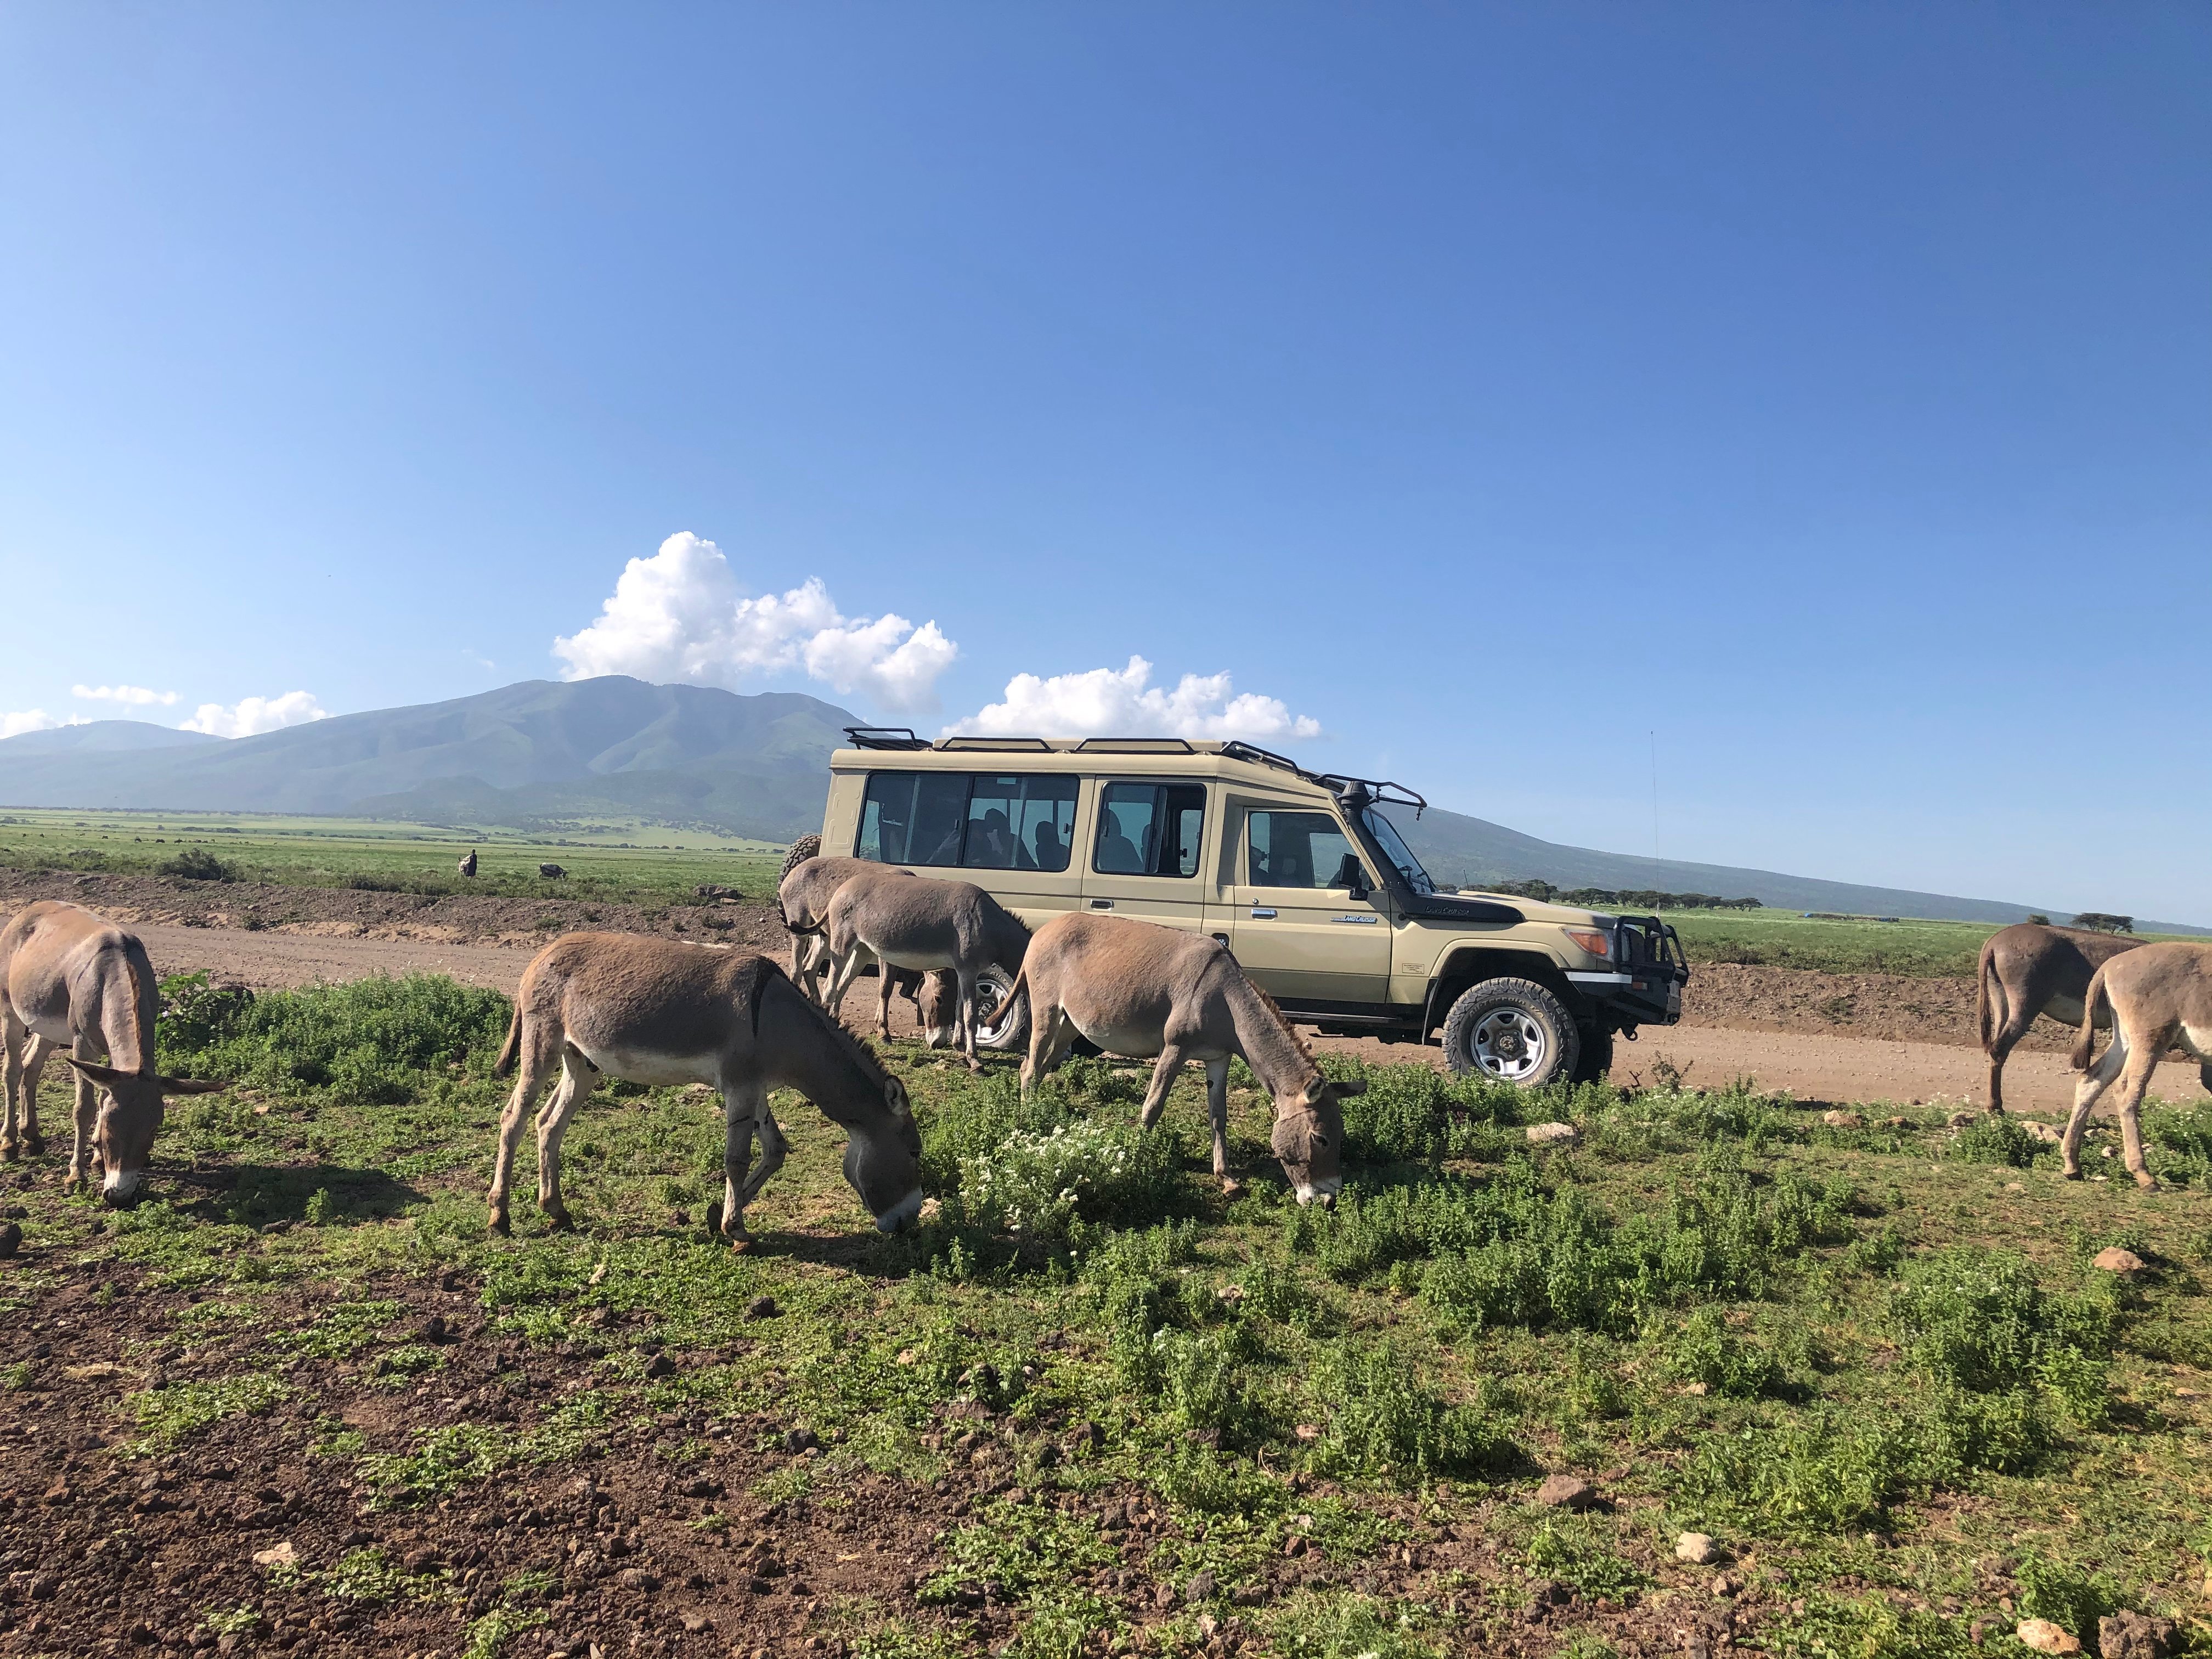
x=70 y=977
x=657 y=1011
x=905 y=922
x=468 y=864
x=1136 y=988
x=2151 y=997
x=2028 y=968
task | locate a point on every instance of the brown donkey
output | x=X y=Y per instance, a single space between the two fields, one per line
x=658 y=1011
x=925 y=925
x=2152 y=997
x=71 y=977
x=2028 y=968
x=1136 y=988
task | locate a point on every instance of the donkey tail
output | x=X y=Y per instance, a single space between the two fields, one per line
x=1986 y=993
x=512 y=1048
x=2096 y=1000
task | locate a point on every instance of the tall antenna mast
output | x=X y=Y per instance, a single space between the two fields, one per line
x=1654 y=794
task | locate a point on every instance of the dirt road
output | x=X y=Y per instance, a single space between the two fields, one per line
x=1811 y=1065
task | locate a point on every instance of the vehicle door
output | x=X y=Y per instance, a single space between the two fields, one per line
x=1149 y=838
x=1295 y=925
x=1012 y=833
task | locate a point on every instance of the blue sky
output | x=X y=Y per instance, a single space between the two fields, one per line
x=1825 y=389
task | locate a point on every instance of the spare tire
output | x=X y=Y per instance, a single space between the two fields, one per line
x=997 y=1026
x=1511 y=1030
x=804 y=847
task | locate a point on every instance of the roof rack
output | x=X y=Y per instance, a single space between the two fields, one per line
x=1337 y=783
x=1135 y=746
x=1024 y=746
x=885 y=736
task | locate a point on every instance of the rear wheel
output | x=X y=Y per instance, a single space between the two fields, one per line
x=1511 y=1030
x=998 y=1024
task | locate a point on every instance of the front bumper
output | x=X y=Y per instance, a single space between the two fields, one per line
x=1646 y=988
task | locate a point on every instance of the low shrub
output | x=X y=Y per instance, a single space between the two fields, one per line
x=1995 y=1139
x=1703 y=1349
x=1041 y=1183
x=197 y=864
x=1379 y=1420
x=1976 y=1320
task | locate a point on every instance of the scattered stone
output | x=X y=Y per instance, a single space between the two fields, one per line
x=2115 y=1259
x=2050 y=1134
x=2135 y=1636
x=762 y=1307
x=1564 y=1492
x=2045 y=1637
x=1553 y=1134
x=277 y=1555
x=637 y=1579
x=1697 y=1548
x=1843 y=1119
x=1724 y=1583
x=11 y=1240
x=659 y=1366
x=423 y=1561
x=2015 y=1187
x=433 y=1329
x=1200 y=1588
x=1960 y=1120
x=696 y=1622
x=1897 y=1123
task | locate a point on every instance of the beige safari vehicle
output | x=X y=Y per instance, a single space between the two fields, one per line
x=1302 y=874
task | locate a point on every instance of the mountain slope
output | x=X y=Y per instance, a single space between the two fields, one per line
x=103 y=737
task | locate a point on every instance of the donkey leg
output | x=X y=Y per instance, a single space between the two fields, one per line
x=87 y=1114
x=742 y=1105
x=35 y=1054
x=1217 y=1106
x=530 y=1078
x=577 y=1079
x=1164 y=1071
x=1044 y=1035
x=12 y=1038
x=774 y=1147
x=2142 y=1065
x=883 y=999
x=971 y=983
x=2094 y=1082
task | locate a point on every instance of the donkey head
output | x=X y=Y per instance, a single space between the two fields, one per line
x=1308 y=1139
x=129 y=1118
x=883 y=1161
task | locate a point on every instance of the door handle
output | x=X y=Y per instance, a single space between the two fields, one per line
x=1102 y=904
x=1261 y=914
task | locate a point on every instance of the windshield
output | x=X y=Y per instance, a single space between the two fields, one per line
x=1395 y=849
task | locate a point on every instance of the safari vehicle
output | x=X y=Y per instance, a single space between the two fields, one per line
x=1302 y=874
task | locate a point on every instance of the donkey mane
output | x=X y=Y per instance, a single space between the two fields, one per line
x=1297 y=1038
x=765 y=971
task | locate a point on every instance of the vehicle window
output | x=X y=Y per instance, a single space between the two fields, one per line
x=1300 y=849
x=978 y=820
x=1149 y=829
x=1019 y=822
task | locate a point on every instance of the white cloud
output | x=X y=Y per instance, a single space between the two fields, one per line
x=1124 y=703
x=28 y=719
x=681 y=615
x=254 y=715
x=137 y=696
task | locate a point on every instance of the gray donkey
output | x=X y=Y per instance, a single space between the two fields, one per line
x=659 y=1011
x=925 y=924
x=2032 y=968
x=71 y=977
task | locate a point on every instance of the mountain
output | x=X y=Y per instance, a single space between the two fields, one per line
x=546 y=752
x=613 y=745
x=103 y=737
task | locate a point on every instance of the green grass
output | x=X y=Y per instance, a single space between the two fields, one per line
x=1732 y=1318
x=616 y=862
x=1786 y=938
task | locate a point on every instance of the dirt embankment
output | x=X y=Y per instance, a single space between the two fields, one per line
x=346 y=913
x=1883 y=1008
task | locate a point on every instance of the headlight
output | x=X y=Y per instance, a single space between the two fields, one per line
x=1597 y=944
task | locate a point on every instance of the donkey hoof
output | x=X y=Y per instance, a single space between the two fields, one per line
x=10 y=1152
x=1232 y=1188
x=559 y=1221
x=2069 y=1174
x=498 y=1223
x=741 y=1242
x=2148 y=1182
x=34 y=1146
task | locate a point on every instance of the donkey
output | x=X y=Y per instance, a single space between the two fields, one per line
x=908 y=922
x=1136 y=988
x=68 y=977
x=804 y=897
x=659 y=1011
x=2151 y=997
x=2028 y=968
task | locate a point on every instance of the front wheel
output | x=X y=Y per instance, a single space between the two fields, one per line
x=1000 y=1024
x=1511 y=1030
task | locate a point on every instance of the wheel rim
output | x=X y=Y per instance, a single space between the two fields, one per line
x=1509 y=1045
x=993 y=1013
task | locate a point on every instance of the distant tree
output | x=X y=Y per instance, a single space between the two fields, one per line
x=2039 y=918
x=2105 y=923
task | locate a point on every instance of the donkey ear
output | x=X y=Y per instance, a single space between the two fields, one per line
x=106 y=1075
x=895 y=1097
x=184 y=1085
